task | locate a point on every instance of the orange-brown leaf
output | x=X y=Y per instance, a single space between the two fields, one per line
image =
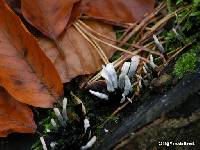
x=49 y=16
x=25 y=72
x=14 y=116
x=117 y=11
x=15 y=5
x=80 y=57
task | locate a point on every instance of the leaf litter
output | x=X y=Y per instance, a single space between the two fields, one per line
x=78 y=39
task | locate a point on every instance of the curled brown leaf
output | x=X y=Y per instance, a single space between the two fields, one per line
x=25 y=72
x=80 y=56
x=14 y=116
x=116 y=11
x=48 y=16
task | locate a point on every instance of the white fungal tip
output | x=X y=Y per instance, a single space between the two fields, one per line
x=59 y=116
x=99 y=95
x=86 y=124
x=158 y=44
x=135 y=60
x=64 y=103
x=152 y=64
x=124 y=71
x=109 y=74
x=123 y=99
x=127 y=88
x=144 y=69
x=121 y=81
x=113 y=75
x=130 y=100
x=106 y=130
x=53 y=123
x=89 y=144
x=140 y=83
x=44 y=146
x=65 y=109
x=53 y=145
x=178 y=36
x=125 y=68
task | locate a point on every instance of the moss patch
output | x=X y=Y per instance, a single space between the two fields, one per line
x=185 y=64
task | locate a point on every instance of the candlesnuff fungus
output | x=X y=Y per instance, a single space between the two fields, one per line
x=53 y=145
x=135 y=60
x=62 y=122
x=127 y=88
x=86 y=124
x=152 y=64
x=178 y=36
x=124 y=72
x=64 y=112
x=59 y=116
x=109 y=74
x=123 y=82
x=90 y=143
x=158 y=44
x=99 y=95
x=53 y=123
x=44 y=146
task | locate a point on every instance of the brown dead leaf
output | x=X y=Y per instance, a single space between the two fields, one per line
x=117 y=11
x=15 y=5
x=80 y=57
x=25 y=72
x=48 y=16
x=14 y=116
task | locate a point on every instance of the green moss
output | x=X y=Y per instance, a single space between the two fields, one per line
x=185 y=64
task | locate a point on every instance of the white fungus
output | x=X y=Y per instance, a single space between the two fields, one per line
x=125 y=68
x=89 y=144
x=53 y=123
x=59 y=116
x=53 y=145
x=44 y=146
x=130 y=100
x=109 y=84
x=86 y=124
x=152 y=64
x=178 y=36
x=124 y=71
x=127 y=88
x=135 y=60
x=158 y=44
x=99 y=95
x=106 y=130
x=144 y=69
x=64 y=112
x=113 y=75
x=109 y=74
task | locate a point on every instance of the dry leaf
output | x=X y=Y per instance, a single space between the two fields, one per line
x=25 y=72
x=14 y=116
x=48 y=16
x=15 y=5
x=116 y=11
x=80 y=57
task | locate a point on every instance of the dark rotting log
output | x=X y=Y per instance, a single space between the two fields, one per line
x=147 y=113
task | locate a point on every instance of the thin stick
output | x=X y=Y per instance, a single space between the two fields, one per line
x=143 y=22
x=108 y=44
x=98 y=49
x=173 y=56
